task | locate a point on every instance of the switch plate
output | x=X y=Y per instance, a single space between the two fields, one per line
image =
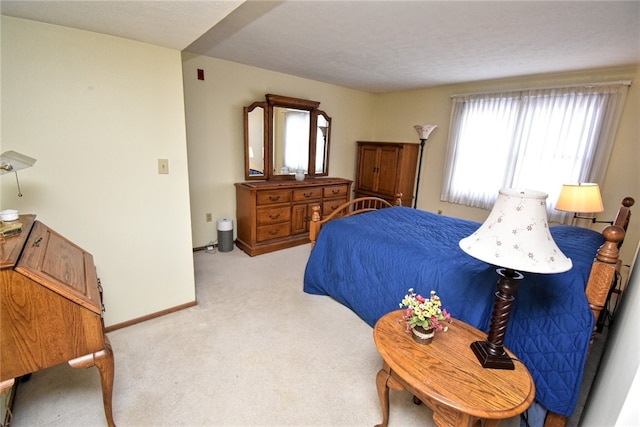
x=163 y=166
x=209 y=217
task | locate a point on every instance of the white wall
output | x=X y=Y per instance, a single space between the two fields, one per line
x=97 y=112
x=616 y=390
x=215 y=129
x=215 y=136
x=397 y=112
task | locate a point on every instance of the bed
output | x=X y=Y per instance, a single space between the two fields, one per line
x=369 y=254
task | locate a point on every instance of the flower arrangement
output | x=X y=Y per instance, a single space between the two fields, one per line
x=427 y=313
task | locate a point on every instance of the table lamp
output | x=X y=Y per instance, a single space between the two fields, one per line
x=515 y=237
x=581 y=198
x=12 y=161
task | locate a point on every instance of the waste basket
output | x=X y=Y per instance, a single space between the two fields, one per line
x=225 y=234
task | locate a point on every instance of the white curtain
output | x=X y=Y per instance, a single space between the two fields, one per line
x=537 y=139
x=296 y=137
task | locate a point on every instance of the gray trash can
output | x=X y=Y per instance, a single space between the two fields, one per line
x=225 y=234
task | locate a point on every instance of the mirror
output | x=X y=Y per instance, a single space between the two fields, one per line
x=286 y=135
x=254 y=131
x=290 y=140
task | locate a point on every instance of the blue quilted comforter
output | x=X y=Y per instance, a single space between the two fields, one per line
x=369 y=261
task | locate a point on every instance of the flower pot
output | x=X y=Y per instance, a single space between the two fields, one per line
x=422 y=335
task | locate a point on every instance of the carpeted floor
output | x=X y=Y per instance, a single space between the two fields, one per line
x=255 y=351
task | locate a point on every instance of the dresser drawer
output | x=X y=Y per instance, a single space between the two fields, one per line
x=271 y=197
x=336 y=191
x=269 y=232
x=307 y=194
x=331 y=205
x=268 y=216
x=273 y=215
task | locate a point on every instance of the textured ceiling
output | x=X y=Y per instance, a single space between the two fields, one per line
x=174 y=24
x=377 y=46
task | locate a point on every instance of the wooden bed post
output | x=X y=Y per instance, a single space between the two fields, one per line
x=314 y=224
x=604 y=269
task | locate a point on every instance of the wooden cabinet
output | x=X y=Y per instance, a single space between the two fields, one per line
x=273 y=215
x=51 y=307
x=386 y=169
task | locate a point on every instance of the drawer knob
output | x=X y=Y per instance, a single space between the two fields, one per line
x=274 y=198
x=273 y=232
x=37 y=242
x=307 y=195
x=335 y=191
x=274 y=216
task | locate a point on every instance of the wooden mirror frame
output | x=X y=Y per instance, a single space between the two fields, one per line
x=273 y=101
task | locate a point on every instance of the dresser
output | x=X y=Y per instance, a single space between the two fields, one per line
x=50 y=308
x=386 y=169
x=273 y=215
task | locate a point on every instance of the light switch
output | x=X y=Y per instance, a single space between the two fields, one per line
x=163 y=166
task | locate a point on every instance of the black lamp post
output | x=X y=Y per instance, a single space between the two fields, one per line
x=423 y=131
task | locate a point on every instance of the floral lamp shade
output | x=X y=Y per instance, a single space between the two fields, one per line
x=516 y=235
x=425 y=130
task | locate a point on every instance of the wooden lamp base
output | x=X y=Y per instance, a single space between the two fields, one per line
x=491 y=352
x=489 y=358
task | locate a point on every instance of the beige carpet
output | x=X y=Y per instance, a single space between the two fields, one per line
x=255 y=351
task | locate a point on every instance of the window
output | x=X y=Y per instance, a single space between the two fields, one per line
x=537 y=139
x=296 y=140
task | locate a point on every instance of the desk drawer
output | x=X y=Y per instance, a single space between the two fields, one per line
x=268 y=216
x=334 y=191
x=269 y=232
x=307 y=194
x=272 y=197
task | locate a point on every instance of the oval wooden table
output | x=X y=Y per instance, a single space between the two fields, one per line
x=446 y=375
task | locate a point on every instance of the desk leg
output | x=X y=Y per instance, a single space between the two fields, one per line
x=104 y=361
x=383 y=395
x=106 y=365
x=6 y=385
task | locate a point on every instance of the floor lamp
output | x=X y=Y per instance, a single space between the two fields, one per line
x=423 y=131
x=515 y=237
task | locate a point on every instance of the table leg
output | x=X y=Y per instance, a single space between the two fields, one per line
x=383 y=395
x=446 y=417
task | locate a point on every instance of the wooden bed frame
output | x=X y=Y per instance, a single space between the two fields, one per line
x=603 y=271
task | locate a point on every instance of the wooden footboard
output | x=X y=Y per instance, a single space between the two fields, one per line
x=601 y=279
x=352 y=207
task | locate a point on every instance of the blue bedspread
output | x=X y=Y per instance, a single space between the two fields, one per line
x=369 y=261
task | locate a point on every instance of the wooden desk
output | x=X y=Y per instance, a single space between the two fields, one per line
x=446 y=375
x=50 y=308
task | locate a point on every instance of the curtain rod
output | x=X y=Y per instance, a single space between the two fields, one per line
x=619 y=82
